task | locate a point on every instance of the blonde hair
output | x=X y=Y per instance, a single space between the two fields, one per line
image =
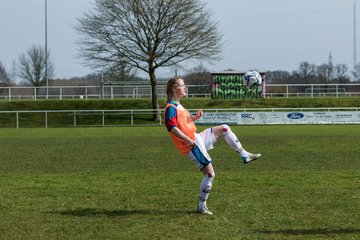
x=171 y=85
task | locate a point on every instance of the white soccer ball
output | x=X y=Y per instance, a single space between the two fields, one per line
x=252 y=79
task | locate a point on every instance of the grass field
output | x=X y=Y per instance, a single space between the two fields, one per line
x=131 y=183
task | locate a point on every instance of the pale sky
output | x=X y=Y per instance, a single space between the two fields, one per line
x=258 y=34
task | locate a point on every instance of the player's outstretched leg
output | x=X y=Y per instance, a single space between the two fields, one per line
x=235 y=144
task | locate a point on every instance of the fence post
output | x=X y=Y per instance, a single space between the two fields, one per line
x=160 y=116
x=132 y=118
x=287 y=91
x=103 y=118
x=102 y=91
x=9 y=94
x=46 y=120
x=74 y=118
x=17 y=119
x=337 y=91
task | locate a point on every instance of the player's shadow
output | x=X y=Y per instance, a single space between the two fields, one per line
x=88 y=212
x=314 y=231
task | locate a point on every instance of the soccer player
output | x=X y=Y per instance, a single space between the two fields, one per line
x=182 y=130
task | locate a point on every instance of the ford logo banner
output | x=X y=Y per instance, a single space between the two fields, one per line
x=295 y=115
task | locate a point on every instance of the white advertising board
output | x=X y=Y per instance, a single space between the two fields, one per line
x=246 y=118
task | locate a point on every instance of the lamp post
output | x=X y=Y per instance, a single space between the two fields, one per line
x=354 y=47
x=46 y=54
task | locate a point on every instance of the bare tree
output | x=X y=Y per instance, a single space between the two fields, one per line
x=32 y=66
x=277 y=77
x=148 y=35
x=340 y=72
x=199 y=75
x=5 y=80
x=307 y=71
x=323 y=73
x=356 y=72
x=119 y=72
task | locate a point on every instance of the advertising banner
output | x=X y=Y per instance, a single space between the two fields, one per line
x=248 y=118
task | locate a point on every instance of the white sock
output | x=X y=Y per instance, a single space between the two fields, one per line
x=205 y=188
x=233 y=141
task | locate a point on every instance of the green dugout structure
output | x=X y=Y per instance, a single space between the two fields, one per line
x=229 y=85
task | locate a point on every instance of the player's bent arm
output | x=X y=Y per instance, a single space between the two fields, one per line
x=198 y=115
x=178 y=133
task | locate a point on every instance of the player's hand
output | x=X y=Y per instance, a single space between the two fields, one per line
x=191 y=143
x=197 y=115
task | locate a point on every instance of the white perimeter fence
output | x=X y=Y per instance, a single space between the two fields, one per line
x=144 y=91
x=234 y=116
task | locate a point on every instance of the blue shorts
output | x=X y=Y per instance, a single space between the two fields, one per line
x=204 y=142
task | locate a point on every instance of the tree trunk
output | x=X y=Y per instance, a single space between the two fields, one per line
x=155 y=106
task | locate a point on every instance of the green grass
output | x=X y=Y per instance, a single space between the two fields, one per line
x=131 y=183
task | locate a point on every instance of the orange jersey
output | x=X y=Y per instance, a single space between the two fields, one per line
x=183 y=121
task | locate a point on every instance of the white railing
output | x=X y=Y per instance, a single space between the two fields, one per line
x=144 y=91
x=92 y=92
x=74 y=118
x=107 y=118
x=313 y=90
